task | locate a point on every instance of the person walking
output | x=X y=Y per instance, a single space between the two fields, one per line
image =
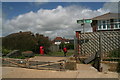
x=65 y=51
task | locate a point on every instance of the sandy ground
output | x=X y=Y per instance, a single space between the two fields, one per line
x=46 y=59
x=83 y=71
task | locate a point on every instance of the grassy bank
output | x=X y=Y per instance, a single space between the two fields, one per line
x=59 y=54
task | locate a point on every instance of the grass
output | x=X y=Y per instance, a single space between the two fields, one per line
x=57 y=54
x=112 y=60
x=54 y=54
x=20 y=57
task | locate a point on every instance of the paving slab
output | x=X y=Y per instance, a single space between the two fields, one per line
x=31 y=73
x=84 y=71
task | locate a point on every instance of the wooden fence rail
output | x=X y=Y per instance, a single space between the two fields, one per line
x=25 y=63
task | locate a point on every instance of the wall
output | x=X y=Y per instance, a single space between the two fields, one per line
x=54 y=48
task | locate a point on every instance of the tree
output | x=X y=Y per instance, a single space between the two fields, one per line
x=25 y=41
x=42 y=41
x=68 y=45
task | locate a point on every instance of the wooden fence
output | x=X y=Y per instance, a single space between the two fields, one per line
x=90 y=42
x=25 y=63
x=98 y=47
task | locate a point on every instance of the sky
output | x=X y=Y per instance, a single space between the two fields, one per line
x=51 y=18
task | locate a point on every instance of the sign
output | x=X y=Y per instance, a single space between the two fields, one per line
x=80 y=21
x=87 y=21
x=84 y=21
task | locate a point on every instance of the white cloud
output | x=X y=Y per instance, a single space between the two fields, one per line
x=60 y=21
x=111 y=6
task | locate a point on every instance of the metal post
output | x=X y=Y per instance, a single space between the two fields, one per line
x=83 y=25
x=78 y=43
x=75 y=44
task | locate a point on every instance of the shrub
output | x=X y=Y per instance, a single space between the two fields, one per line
x=118 y=67
x=24 y=41
x=20 y=57
x=115 y=53
x=28 y=54
x=5 y=51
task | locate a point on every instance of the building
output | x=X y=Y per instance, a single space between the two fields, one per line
x=59 y=40
x=106 y=22
x=71 y=41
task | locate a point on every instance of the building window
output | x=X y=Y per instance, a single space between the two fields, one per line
x=116 y=23
x=115 y=26
x=103 y=22
x=119 y=25
x=115 y=20
x=104 y=26
x=108 y=21
x=100 y=27
x=108 y=26
x=118 y=20
x=99 y=22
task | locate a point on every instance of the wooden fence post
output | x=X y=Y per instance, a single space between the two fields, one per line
x=100 y=49
x=27 y=63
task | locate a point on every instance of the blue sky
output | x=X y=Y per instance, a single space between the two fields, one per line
x=51 y=18
x=13 y=9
